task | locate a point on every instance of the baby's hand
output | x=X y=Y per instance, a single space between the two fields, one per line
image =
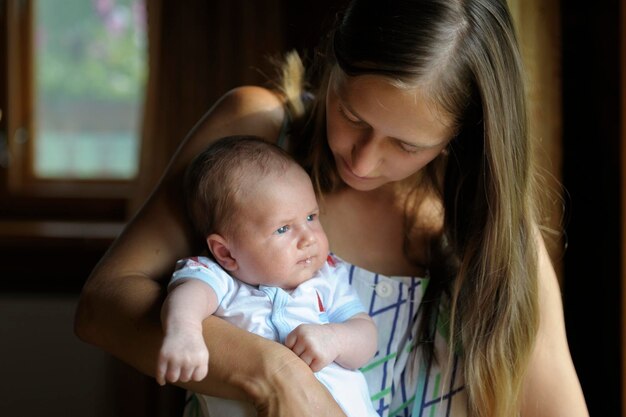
x=183 y=356
x=315 y=344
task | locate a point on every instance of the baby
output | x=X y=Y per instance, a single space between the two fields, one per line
x=256 y=209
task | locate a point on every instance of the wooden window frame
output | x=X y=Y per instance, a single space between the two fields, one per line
x=21 y=191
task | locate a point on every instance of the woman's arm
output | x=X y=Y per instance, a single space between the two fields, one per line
x=119 y=306
x=551 y=388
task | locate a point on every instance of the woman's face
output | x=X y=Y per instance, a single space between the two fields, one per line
x=379 y=133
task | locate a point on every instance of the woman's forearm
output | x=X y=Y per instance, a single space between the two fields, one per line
x=124 y=321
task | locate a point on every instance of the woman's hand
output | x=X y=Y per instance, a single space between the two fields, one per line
x=292 y=390
x=267 y=374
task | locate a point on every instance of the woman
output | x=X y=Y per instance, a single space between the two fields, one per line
x=417 y=141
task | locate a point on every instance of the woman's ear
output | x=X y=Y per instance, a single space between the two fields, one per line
x=221 y=252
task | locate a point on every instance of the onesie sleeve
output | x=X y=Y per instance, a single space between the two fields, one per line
x=205 y=270
x=342 y=301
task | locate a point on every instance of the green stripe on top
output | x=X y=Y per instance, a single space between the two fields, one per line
x=437 y=383
x=433 y=409
x=380 y=394
x=378 y=362
x=393 y=413
x=387 y=358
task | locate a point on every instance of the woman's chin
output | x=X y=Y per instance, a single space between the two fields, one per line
x=358 y=183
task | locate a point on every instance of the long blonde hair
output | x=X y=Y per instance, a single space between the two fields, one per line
x=484 y=261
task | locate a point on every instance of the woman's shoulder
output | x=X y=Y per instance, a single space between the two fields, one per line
x=245 y=110
x=252 y=97
x=253 y=108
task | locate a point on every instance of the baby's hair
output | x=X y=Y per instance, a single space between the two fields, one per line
x=218 y=180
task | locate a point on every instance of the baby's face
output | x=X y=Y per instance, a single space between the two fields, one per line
x=280 y=241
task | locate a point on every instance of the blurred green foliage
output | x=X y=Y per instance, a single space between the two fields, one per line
x=90 y=50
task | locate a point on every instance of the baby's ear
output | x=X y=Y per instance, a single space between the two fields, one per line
x=221 y=252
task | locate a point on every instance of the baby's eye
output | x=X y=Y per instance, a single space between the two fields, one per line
x=311 y=217
x=281 y=230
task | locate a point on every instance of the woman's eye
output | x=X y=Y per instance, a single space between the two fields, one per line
x=349 y=117
x=407 y=147
x=311 y=217
x=281 y=230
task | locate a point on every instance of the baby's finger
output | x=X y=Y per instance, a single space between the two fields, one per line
x=160 y=373
x=307 y=358
x=290 y=340
x=186 y=372
x=160 y=378
x=200 y=373
x=173 y=373
x=298 y=348
x=316 y=365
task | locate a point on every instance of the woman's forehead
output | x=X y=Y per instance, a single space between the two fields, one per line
x=407 y=113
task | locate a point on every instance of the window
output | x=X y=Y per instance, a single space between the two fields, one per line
x=72 y=75
x=89 y=77
x=75 y=73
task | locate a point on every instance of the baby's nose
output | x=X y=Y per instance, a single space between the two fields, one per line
x=307 y=238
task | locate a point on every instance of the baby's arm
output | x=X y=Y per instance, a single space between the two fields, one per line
x=183 y=355
x=351 y=343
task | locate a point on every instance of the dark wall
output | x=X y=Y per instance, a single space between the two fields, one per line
x=591 y=110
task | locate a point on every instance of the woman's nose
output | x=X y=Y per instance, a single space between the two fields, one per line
x=365 y=157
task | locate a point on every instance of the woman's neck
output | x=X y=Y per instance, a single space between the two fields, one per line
x=369 y=229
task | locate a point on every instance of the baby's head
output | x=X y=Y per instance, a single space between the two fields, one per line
x=256 y=209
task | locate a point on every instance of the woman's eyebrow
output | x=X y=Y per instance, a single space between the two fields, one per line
x=347 y=106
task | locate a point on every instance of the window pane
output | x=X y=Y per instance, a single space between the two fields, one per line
x=90 y=72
